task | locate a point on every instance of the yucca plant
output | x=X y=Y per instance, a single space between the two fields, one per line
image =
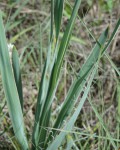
x=45 y=136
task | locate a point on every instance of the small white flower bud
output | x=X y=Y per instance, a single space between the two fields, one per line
x=10 y=48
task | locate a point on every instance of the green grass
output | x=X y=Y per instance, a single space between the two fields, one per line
x=51 y=132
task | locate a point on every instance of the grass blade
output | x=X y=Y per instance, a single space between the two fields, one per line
x=112 y=64
x=56 y=69
x=103 y=125
x=44 y=85
x=17 y=74
x=64 y=43
x=69 y=125
x=10 y=89
x=79 y=83
x=15 y=38
x=112 y=36
x=58 y=11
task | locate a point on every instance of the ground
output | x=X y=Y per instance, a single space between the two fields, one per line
x=27 y=27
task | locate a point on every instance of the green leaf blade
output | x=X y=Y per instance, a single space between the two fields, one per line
x=17 y=74
x=79 y=83
x=10 y=89
x=58 y=11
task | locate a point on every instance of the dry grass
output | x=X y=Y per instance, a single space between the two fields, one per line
x=104 y=91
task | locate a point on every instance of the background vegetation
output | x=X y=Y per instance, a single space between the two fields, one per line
x=27 y=25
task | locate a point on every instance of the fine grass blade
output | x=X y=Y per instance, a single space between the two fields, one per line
x=58 y=11
x=69 y=125
x=10 y=90
x=118 y=99
x=13 y=25
x=80 y=81
x=84 y=24
x=112 y=36
x=103 y=125
x=118 y=110
x=66 y=107
x=112 y=64
x=17 y=74
x=15 y=38
x=44 y=85
x=56 y=69
x=70 y=143
x=19 y=9
x=15 y=14
x=64 y=43
x=75 y=39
